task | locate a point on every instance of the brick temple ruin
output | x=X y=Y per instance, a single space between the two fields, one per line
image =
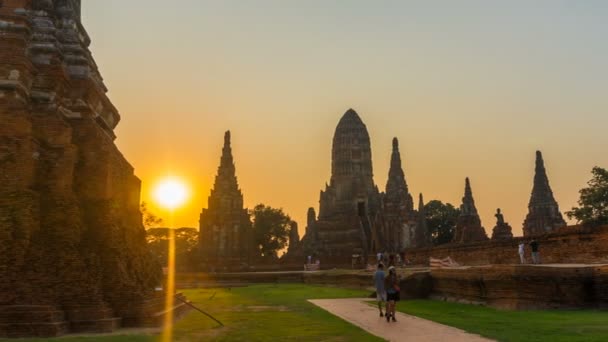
x=355 y=218
x=225 y=235
x=73 y=254
x=468 y=226
x=543 y=212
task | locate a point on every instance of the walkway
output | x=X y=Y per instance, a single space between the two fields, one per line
x=407 y=328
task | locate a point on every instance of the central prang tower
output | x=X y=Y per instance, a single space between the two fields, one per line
x=354 y=217
x=351 y=190
x=351 y=200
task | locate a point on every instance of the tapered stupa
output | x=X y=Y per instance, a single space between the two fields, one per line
x=351 y=199
x=399 y=217
x=225 y=228
x=468 y=225
x=422 y=236
x=543 y=211
x=396 y=187
x=294 y=237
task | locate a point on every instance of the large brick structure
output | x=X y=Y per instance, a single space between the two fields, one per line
x=225 y=229
x=73 y=255
x=355 y=218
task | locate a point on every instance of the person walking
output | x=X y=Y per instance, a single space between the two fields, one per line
x=391 y=260
x=522 y=252
x=380 y=290
x=535 y=252
x=391 y=284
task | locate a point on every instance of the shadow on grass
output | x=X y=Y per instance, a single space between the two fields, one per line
x=255 y=313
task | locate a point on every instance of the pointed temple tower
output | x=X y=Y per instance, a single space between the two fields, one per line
x=225 y=228
x=351 y=200
x=422 y=236
x=543 y=212
x=468 y=225
x=399 y=216
x=294 y=237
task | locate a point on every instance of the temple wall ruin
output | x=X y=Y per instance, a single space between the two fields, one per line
x=73 y=254
x=574 y=244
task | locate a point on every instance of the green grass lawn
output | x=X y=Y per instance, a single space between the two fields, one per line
x=257 y=313
x=507 y=326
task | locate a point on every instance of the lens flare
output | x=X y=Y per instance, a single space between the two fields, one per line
x=171 y=193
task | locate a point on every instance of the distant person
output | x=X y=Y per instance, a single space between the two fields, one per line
x=380 y=291
x=391 y=260
x=522 y=252
x=379 y=257
x=310 y=259
x=391 y=285
x=535 y=252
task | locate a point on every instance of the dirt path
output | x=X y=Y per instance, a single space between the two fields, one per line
x=407 y=328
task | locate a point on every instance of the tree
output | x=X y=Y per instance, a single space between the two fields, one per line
x=186 y=246
x=593 y=203
x=270 y=230
x=441 y=221
x=149 y=219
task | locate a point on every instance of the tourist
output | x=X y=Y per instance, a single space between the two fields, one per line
x=522 y=251
x=379 y=257
x=535 y=252
x=380 y=291
x=391 y=285
x=391 y=260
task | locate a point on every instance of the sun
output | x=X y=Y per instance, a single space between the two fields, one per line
x=171 y=193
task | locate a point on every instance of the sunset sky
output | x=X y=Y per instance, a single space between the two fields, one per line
x=470 y=88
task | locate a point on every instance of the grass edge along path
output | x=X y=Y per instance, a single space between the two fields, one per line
x=511 y=326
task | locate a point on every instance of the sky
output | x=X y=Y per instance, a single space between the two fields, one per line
x=470 y=88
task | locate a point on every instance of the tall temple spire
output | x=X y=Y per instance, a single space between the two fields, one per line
x=351 y=150
x=543 y=211
x=226 y=168
x=468 y=203
x=420 y=203
x=396 y=185
x=422 y=236
x=468 y=225
x=225 y=234
x=351 y=200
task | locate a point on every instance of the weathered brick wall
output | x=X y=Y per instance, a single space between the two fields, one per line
x=70 y=228
x=568 y=245
x=523 y=287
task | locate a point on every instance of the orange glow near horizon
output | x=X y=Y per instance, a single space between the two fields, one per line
x=470 y=91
